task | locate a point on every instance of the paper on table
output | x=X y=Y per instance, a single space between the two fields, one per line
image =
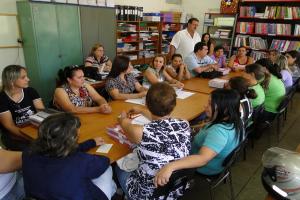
x=140 y=120
x=140 y=101
x=104 y=148
x=183 y=94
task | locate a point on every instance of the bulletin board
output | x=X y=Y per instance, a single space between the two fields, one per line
x=9 y=31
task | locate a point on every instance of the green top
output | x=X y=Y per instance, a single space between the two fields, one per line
x=274 y=94
x=260 y=99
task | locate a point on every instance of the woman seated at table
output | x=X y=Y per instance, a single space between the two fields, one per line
x=98 y=59
x=285 y=71
x=17 y=103
x=178 y=70
x=274 y=89
x=255 y=74
x=75 y=96
x=208 y=41
x=159 y=142
x=219 y=56
x=11 y=182
x=241 y=85
x=57 y=167
x=215 y=141
x=121 y=84
x=157 y=73
x=239 y=61
x=293 y=58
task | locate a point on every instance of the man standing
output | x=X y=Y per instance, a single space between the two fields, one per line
x=198 y=61
x=184 y=41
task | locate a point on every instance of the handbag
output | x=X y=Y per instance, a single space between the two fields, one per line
x=229 y=6
x=211 y=75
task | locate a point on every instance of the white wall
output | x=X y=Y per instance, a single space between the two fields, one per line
x=10 y=56
x=196 y=8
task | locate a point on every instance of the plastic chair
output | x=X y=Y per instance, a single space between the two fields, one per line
x=180 y=178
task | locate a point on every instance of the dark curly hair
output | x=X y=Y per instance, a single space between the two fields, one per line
x=57 y=136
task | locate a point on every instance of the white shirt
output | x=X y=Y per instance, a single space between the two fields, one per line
x=7 y=181
x=184 y=43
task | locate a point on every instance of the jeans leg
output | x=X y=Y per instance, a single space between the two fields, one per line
x=122 y=178
x=106 y=183
x=17 y=192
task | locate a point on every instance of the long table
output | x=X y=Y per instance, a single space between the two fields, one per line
x=94 y=125
x=201 y=84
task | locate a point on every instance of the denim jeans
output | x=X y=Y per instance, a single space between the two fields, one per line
x=17 y=192
x=106 y=183
x=122 y=178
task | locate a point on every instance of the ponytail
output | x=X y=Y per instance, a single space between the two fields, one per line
x=67 y=72
x=251 y=94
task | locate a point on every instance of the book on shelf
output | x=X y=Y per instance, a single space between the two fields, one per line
x=258 y=43
x=245 y=27
x=241 y=40
x=297 y=30
x=222 y=33
x=256 y=55
x=285 y=45
x=247 y=11
x=273 y=29
x=282 y=12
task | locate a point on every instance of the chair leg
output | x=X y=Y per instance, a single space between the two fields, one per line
x=211 y=192
x=231 y=186
x=278 y=128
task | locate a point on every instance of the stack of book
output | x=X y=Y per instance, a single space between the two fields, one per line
x=168 y=16
x=247 y=11
x=208 y=22
x=222 y=33
x=224 y=21
x=273 y=29
x=124 y=27
x=245 y=27
x=285 y=45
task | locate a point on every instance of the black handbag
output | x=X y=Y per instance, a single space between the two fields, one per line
x=211 y=75
x=92 y=72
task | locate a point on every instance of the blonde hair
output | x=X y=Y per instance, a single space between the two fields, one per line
x=94 y=48
x=9 y=75
x=282 y=62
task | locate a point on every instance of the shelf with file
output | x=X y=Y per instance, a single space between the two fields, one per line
x=221 y=28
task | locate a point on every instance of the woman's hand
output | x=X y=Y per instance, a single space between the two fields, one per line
x=163 y=175
x=143 y=93
x=122 y=116
x=105 y=108
x=179 y=85
x=134 y=111
x=99 y=141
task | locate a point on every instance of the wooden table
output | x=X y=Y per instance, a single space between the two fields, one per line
x=201 y=84
x=269 y=197
x=94 y=125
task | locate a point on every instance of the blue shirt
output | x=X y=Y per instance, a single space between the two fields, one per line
x=193 y=62
x=222 y=139
x=64 y=178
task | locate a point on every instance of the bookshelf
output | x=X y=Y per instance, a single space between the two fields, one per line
x=221 y=28
x=274 y=24
x=142 y=40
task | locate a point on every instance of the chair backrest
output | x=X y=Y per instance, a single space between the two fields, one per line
x=257 y=111
x=178 y=179
x=284 y=103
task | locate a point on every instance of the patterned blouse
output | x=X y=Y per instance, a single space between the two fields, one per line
x=95 y=62
x=83 y=100
x=127 y=87
x=163 y=141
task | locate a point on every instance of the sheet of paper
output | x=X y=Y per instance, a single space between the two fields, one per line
x=140 y=120
x=104 y=148
x=140 y=101
x=183 y=94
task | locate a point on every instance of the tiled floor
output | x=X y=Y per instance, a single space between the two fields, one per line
x=246 y=174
